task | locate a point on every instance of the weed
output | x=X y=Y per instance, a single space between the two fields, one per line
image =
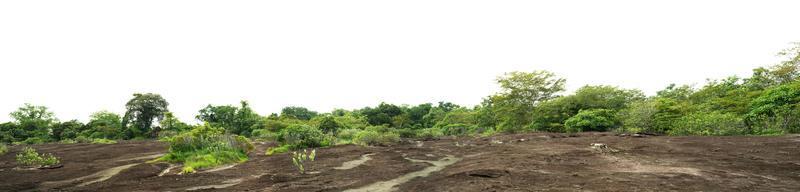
x=30 y=158
x=3 y=149
x=300 y=160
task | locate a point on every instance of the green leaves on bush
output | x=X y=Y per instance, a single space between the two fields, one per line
x=3 y=149
x=30 y=158
x=206 y=146
x=369 y=137
x=303 y=136
x=709 y=124
x=591 y=120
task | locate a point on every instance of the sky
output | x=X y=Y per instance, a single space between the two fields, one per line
x=79 y=57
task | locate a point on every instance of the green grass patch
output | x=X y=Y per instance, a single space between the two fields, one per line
x=103 y=141
x=205 y=147
x=278 y=149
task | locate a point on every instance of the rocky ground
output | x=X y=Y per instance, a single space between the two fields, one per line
x=519 y=162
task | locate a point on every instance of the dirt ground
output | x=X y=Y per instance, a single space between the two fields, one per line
x=520 y=162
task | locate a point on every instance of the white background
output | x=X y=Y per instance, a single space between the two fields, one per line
x=78 y=57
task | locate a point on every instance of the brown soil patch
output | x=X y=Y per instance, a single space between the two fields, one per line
x=520 y=162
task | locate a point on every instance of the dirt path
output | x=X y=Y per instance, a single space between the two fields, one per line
x=522 y=162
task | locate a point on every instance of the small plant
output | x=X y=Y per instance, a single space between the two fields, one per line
x=279 y=149
x=29 y=157
x=299 y=160
x=3 y=149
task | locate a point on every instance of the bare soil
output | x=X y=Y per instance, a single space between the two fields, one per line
x=519 y=162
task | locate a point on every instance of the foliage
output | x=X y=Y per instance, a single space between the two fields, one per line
x=104 y=124
x=140 y=113
x=236 y=120
x=591 y=120
x=278 y=149
x=103 y=141
x=638 y=117
x=552 y=114
x=303 y=136
x=521 y=92
x=329 y=125
x=207 y=146
x=429 y=133
x=3 y=149
x=300 y=113
x=372 y=137
x=301 y=160
x=346 y=135
x=30 y=158
x=777 y=108
x=709 y=124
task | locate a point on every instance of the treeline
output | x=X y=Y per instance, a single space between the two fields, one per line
x=766 y=103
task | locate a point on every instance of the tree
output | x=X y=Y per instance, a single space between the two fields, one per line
x=141 y=111
x=35 y=121
x=592 y=120
x=104 y=124
x=521 y=92
x=67 y=130
x=296 y=112
x=236 y=120
x=777 y=108
x=171 y=123
x=329 y=125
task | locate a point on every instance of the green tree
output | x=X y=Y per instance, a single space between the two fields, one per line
x=329 y=125
x=777 y=108
x=237 y=120
x=35 y=121
x=104 y=124
x=67 y=130
x=141 y=111
x=521 y=92
x=592 y=120
x=295 y=112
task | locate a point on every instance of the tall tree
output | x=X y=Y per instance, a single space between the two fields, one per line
x=142 y=111
x=521 y=92
x=36 y=121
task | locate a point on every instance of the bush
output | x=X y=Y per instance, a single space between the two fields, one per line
x=457 y=129
x=591 y=120
x=638 y=117
x=407 y=133
x=3 y=149
x=347 y=135
x=709 y=124
x=376 y=138
x=303 y=136
x=34 y=140
x=278 y=149
x=429 y=133
x=30 y=158
x=264 y=135
x=206 y=146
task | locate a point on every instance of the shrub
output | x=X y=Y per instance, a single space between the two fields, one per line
x=278 y=149
x=429 y=133
x=591 y=120
x=638 y=117
x=3 y=149
x=29 y=157
x=709 y=124
x=34 y=140
x=457 y=129
x=264 y=135
x=303 y=136
x=376 y=138
x=407 y=133
x=206 y=146
x=347 y=135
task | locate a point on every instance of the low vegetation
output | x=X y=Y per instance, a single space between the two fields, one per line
x=3 y=149
x=28 y=157
x=206 y=146
x=302 y=160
